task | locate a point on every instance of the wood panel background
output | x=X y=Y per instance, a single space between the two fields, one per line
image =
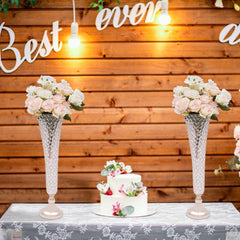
x=127 y=75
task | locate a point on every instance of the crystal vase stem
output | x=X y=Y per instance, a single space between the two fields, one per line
x=197 y=128
x=50 y=129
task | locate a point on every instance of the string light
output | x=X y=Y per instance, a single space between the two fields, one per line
x=74 y=41
x=164 y=18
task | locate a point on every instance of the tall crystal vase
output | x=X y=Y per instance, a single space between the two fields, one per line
x=50 y=128
x=197 y=128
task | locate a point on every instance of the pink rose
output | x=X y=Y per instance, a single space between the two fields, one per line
x=65 y=89
x=207 y=110
x=175 y=100
x=181 y=105
x=237 y=150
x=205 y=99
x=212 y=89
x=195 y=105
x=58 y=99
x=47 y=106
x=34 y=105
x=237 y=132
x=59 y=110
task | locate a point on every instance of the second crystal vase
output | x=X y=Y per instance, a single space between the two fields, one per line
x=197 y=128
x=50 y=128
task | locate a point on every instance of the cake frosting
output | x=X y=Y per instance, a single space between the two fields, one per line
x=122 y=191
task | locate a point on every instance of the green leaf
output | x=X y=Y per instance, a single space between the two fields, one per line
x=12 y=2
x=82 y=104
x=5 y=8
x=100 y=7
x=104 y=172
x=214 y=117
x=66 y=117
x=224 y=108
x=233 y=168
x=76 y=107
x=33 y=2
x=128 y=210
x=109 y=167
x=118 y=2
x=93 y=4
x=237 y=160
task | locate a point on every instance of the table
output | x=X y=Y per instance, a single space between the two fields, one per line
x=79 y=223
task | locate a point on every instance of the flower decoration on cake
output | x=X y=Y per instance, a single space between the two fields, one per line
x=133 y=189
x=200 y=98
x=122 y=212
x=104 y=188
x=53 y=98
x=113 y=169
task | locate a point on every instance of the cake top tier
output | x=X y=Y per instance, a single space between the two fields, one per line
x=113 y=169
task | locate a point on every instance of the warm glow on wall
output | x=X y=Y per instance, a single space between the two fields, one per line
x=74 y=41
x=164 y=18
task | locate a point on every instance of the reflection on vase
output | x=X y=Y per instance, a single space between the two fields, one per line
x=50 y=128
x=197 y=128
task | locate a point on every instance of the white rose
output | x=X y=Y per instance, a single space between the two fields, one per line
x=58 y=99
x=32 y=90
x=47 y=105
x=191 y=93
x=64 y=88
x=207 y=110
x=34 y=105
x=76 y=98
x=44 y=93
x=60 y=110
x=223 y=98
x=205 y=99
x=212 y=88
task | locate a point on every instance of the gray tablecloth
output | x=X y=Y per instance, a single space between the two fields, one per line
x=22 y=221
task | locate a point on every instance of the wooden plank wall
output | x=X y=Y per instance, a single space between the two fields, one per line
x=127 y=75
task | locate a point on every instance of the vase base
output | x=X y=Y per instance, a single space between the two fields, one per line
x=51 y=211
x=198 y=211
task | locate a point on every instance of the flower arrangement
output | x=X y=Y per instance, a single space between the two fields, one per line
x=219 y=4
x=122 y=212
x=113 y=168
x=233 y=162
x=200 y=98
x=133 y=189
x=104 y=188
x=53 y=98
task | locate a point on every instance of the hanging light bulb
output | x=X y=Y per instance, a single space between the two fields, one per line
x=74 y=41
x=164 y=18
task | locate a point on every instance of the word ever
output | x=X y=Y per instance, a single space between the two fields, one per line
x=135 y=15
x=44 y=49
x=232 y=38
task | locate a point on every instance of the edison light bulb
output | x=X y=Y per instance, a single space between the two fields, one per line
x=164 y=19
x=74 y=41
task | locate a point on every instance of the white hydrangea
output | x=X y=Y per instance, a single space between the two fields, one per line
x=223 y=98
x=178 y=91
x=48 y=82
x=128 y=168
x=32 y=90
x=76 y=98
x=191 y=93
x=193 y=80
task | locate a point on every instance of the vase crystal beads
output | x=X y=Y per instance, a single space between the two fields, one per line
x=50 y=129
x=197 y=128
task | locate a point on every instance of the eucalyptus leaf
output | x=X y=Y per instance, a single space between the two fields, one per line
x=118 y=2
x=104 y=172
x=128 y=210
x=237 y=160
x=139 y=184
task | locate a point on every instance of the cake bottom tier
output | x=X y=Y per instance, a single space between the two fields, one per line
x=139 y=203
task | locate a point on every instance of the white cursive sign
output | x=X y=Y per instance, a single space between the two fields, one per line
x=232 y=38
x=44 y=49
x=135 y=15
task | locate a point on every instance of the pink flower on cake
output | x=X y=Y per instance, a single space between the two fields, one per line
x=237 y=132
x=115 y=173
x=47 y=105
x=116 y=209
x=34 y=105
x=195 y=105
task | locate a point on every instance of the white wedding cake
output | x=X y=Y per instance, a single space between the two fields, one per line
x=124 y=193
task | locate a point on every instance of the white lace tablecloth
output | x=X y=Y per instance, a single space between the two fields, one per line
x=22 y=221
